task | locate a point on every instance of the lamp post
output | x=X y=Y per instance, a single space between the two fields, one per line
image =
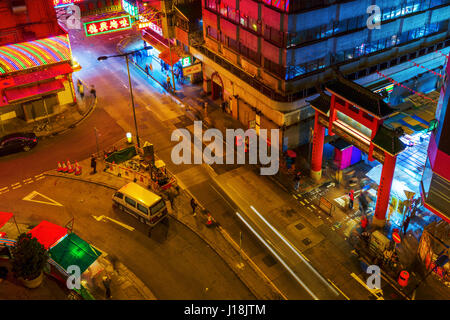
x=129 y=81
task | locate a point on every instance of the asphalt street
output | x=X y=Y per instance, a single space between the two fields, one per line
x=174 y=263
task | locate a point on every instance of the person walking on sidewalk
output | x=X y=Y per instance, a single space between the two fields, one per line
x=169 y=85
x=93 y=164
x=80 y=89
x=107 y=285
x=171 y=196
x=297 y=181
x=194 y=206
x=93 y=92
x=352 y=198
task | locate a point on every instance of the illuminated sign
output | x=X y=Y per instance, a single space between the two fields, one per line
x=94 y=28
x=130 y=9
x=195 y=68
x=152 y=26
x=64 y=2
x=186 y=62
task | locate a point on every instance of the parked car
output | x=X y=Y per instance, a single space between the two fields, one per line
x=15 y=142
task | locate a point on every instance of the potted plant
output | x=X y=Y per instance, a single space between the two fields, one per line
x=28 y=261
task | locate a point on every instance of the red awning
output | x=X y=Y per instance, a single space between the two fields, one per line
x=48 y=233
x=166 y=56
x=4 y=217
x=15 y=94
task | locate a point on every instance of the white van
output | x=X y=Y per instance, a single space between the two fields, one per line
x=145 y=205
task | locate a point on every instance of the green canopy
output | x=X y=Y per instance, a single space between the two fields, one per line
x=73 y=250
x=122 y=155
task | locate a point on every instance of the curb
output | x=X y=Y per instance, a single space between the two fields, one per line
x=190 y=228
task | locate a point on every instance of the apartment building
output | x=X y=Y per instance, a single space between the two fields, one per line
x=266 y=58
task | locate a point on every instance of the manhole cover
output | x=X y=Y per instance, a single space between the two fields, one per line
x=306 y=241
x=299 y=226
x=269 y=261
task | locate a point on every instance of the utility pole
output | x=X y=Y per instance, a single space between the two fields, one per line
x=170 y=54
x=132 y=103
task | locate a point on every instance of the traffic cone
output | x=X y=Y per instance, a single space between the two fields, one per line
x=77 y=169
x=59 y=169
x=69 y=167
x=64 y=168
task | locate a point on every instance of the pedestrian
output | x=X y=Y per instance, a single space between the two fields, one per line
x=194 y=206
x=169 y=85
x=107 y=285
x=406 y=224
x=297 y=181
x=150 y=67
x=81 y=90
x=93 y=164
x=146 y=68
x=352 y=198
x=171 y=197
x=362 y=202
x=93 y=92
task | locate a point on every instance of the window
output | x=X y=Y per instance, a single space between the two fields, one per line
x=131 y=202
x=157 y=207
x=211 y=4
x=142 y=209
x=212 y=32
x=119 y=195
x=18 y=6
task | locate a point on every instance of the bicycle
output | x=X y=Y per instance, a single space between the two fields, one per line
x=41 y=127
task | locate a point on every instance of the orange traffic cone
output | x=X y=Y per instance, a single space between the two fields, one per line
x=70 y=169
x=59 y=169
x=64 y=168
x=77 y=169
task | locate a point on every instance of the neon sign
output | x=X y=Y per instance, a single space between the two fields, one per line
x=94 y=28
x=63 y=2
x=130 y=8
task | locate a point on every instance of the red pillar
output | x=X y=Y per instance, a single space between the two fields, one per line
x=384 y=189
x=317 y=149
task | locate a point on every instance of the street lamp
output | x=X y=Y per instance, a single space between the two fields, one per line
x=101 y=58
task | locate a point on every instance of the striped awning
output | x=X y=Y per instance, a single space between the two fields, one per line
x=31 y=54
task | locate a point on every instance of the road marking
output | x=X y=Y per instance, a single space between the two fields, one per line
x=314 y=207
x=40 y=178
x=302 y=203
x=17 y=187
x=115 y=221
x=27 y=180
x=306 y=201
x=39 y=175
x=33 y=194
x=15 y=184
x=338 y=289
x=372 y=291
x=294 y=196
x=2 y=192
x=4 y=188
x=309 y=209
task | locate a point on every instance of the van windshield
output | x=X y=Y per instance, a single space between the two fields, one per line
x=157 y=207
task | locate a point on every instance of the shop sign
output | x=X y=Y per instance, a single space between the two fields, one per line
x=186 y=62
x=94 y=28
x=195 y=68
x=64 y=2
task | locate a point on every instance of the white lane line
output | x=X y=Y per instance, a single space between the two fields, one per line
x=309 y=209
x=296 y=251
x=4 y=188
x=306 y=201
x=27 y=180
x=17 y=187
x=302 y=203
x=15 y=184
x=39 y=175
x=278 y=258
x=32 y=195
x=40 y=178
x=313 y=206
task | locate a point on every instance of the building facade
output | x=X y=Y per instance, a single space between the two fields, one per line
x=35 y=61
x=266 y=57
x=435 y=185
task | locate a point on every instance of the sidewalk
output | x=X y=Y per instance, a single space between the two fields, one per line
x=124 y=284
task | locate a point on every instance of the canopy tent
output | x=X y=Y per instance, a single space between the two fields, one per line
x=73 y=250
x=4 y=218
x=48 y=234
x=122 y=155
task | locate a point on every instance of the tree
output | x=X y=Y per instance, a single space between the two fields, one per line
x=29 y=257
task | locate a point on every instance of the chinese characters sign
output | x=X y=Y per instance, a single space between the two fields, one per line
x=63 y=2
x=94 y=28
